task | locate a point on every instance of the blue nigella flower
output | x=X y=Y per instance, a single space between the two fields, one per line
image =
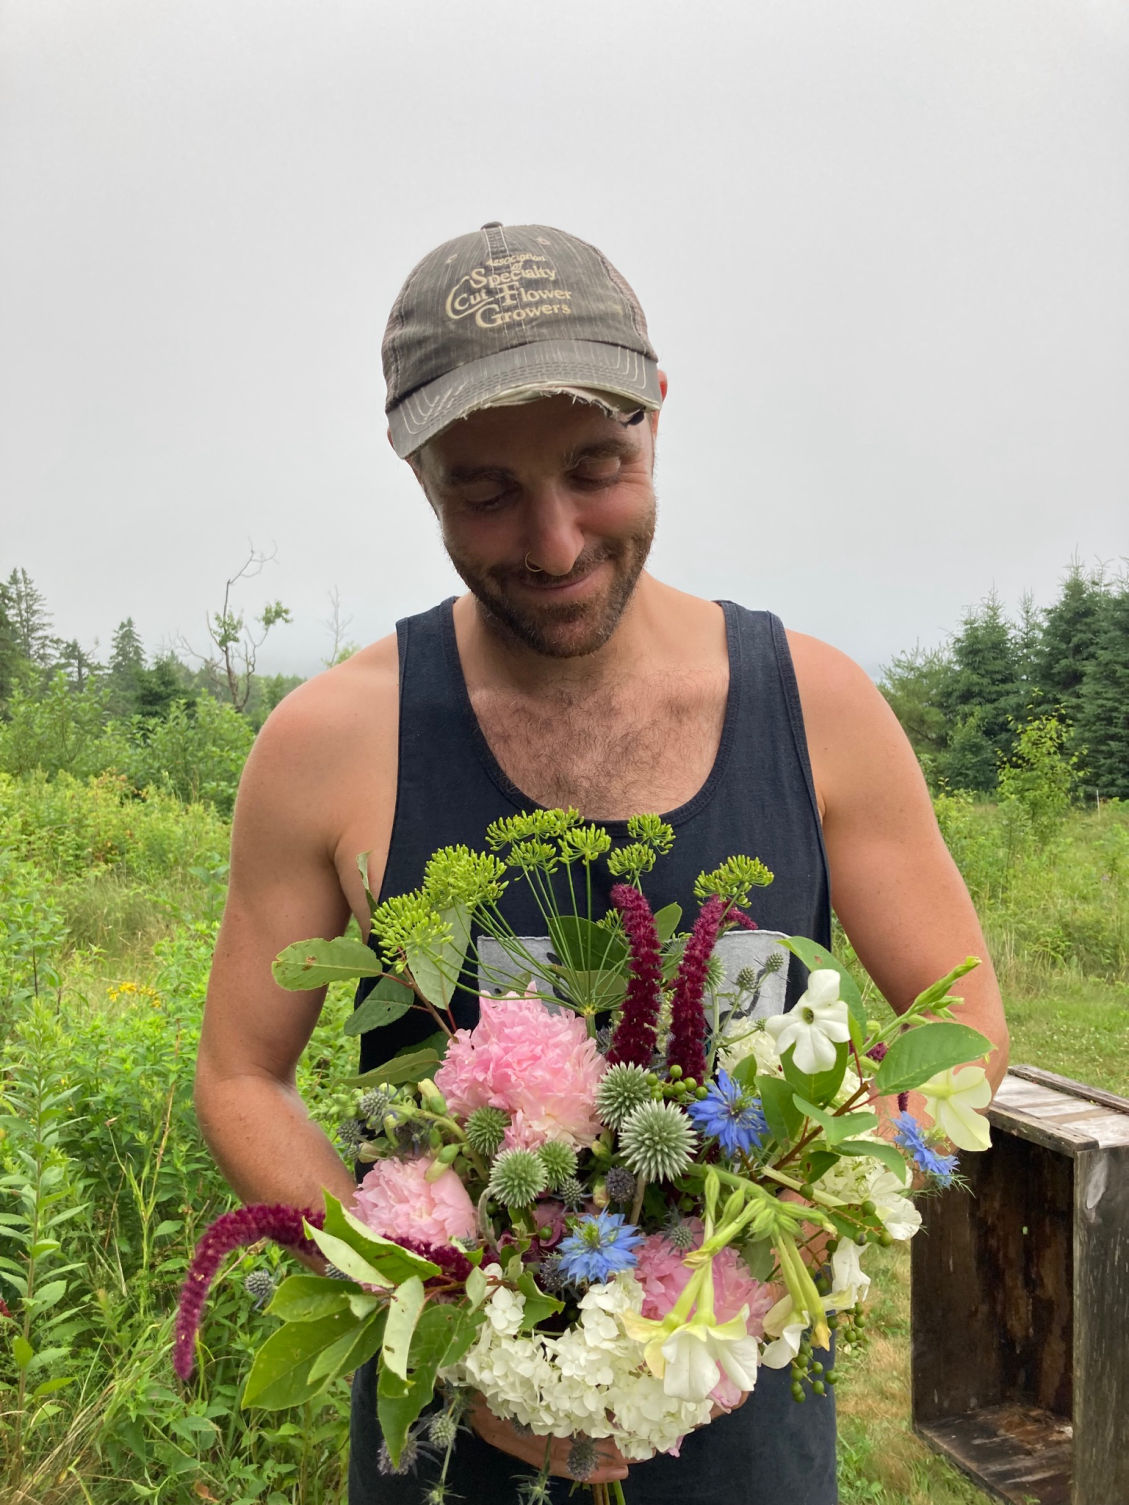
x=598 y=1247
x=731 y=1116
x=911 y=1136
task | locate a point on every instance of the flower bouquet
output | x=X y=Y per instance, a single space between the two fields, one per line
x=628 y=1186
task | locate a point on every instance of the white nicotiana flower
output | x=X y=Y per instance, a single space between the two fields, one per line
x=787 y=1332
x=952 y=1099
x=897 y=1214
x=816 y=1024
x=849 y=1281
x=697 y=1352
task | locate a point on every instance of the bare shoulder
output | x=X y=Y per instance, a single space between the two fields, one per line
x=853 y=736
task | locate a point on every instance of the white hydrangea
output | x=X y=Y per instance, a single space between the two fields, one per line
x=743 y=1039
x=591 y=1378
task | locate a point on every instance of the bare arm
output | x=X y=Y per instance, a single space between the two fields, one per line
x=284 y=887
x=894 y=886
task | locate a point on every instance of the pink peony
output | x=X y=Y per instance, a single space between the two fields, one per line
x=541 y=1067
x=396 y=1201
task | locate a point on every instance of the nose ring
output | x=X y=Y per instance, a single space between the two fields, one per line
x=534 y=569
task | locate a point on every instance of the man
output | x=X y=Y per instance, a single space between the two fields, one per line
x=524 y=392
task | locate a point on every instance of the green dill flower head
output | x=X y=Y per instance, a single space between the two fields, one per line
x=733 y=880
x=622 y=1088
x=485 y=1129
x=408 y=921
x=534 y=855
x=516 y=1177
x=584 y=843
x=653 y=831
x=456 y=875
x=530 y=825
x=657 y=1141
x=632 y=861
x=559 y=1160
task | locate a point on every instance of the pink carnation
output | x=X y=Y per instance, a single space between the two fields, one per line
x=396 y=1201
x=540 y=1066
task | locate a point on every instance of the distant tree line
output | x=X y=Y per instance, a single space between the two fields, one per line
x=154 y=719
x=1063 y=668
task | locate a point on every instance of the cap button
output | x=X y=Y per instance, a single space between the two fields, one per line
x=492 y=224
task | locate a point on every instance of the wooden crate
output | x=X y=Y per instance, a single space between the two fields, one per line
x=1020 y=1304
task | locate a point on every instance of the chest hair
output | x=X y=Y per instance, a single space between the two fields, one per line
x=610 y=752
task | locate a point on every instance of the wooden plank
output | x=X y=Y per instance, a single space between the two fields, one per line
x=1016 y=1453
x=1073 y=1088
x=1101 y=1326
x=1031 y=1124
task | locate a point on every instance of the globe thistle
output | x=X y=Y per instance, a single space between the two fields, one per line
x=260 y=1285
x=559 y=1161
x=516 y=1177
x=681 y=1235
x=621 y=1088
x=583 y=1458
x=373 y=1105
x=572 y=1194
x=442 y=1428
x=486 y=1128
x=350 y=1135
x=657 y=1141
x=620 y=1184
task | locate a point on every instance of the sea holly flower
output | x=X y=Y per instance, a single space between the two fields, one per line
x=910 y=1135
x=598 y=1247
x=952 y=1098
x=731 y=1116
x=816 y=1024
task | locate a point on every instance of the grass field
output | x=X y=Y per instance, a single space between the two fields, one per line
x=106 y=928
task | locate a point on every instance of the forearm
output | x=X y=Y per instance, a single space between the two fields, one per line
x=266 y=1144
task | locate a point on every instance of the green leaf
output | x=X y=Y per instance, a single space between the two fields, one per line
x=351 y=1350
x=585 y=947
x=436 y=968
x=666 y=920
x=304 y=1298
x=389 y=1000
x=924 y=1051
x=538 y=1305
x=823 y=1085
x=47 y=1295
x=937 y=992
x=877 y=1150
x=394 y=1263
x=406 y=1066
x=280 y=1374
x=313 y=963
x=403 y=1314
x=438 y=1333
x=362 y=868
x=22 y=1351
x=837 y=1126
x=49 y=1387
x=777 y=1099
x=815 y=956
x=43 y=1246
x=345 y=1257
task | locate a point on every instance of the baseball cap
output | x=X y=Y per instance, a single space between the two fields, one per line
x=507 y=314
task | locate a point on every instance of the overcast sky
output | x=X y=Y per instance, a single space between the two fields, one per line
x=883 y=247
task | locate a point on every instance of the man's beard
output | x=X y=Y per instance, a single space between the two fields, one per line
x=569 y=629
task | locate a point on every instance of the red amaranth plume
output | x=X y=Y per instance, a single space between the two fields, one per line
x=687 y=1044
x=633 y=1043
x=246 y=1225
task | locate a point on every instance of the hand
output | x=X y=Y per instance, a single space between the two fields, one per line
x=531 y=1449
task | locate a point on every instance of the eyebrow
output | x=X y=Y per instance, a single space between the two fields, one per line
x=613 y=447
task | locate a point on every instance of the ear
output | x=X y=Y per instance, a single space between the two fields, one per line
x=654 y=416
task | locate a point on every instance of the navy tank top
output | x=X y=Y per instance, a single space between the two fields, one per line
x=758 y=799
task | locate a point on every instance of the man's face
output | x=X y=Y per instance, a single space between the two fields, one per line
x=558 y=484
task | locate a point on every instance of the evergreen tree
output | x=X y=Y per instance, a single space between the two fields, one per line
x=30 y=619
x=1103 y=699
x=985 y=684
x=80 y=669
x=11 y=658
x=125 y=669
x=161 y=685
x=1069 y=639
